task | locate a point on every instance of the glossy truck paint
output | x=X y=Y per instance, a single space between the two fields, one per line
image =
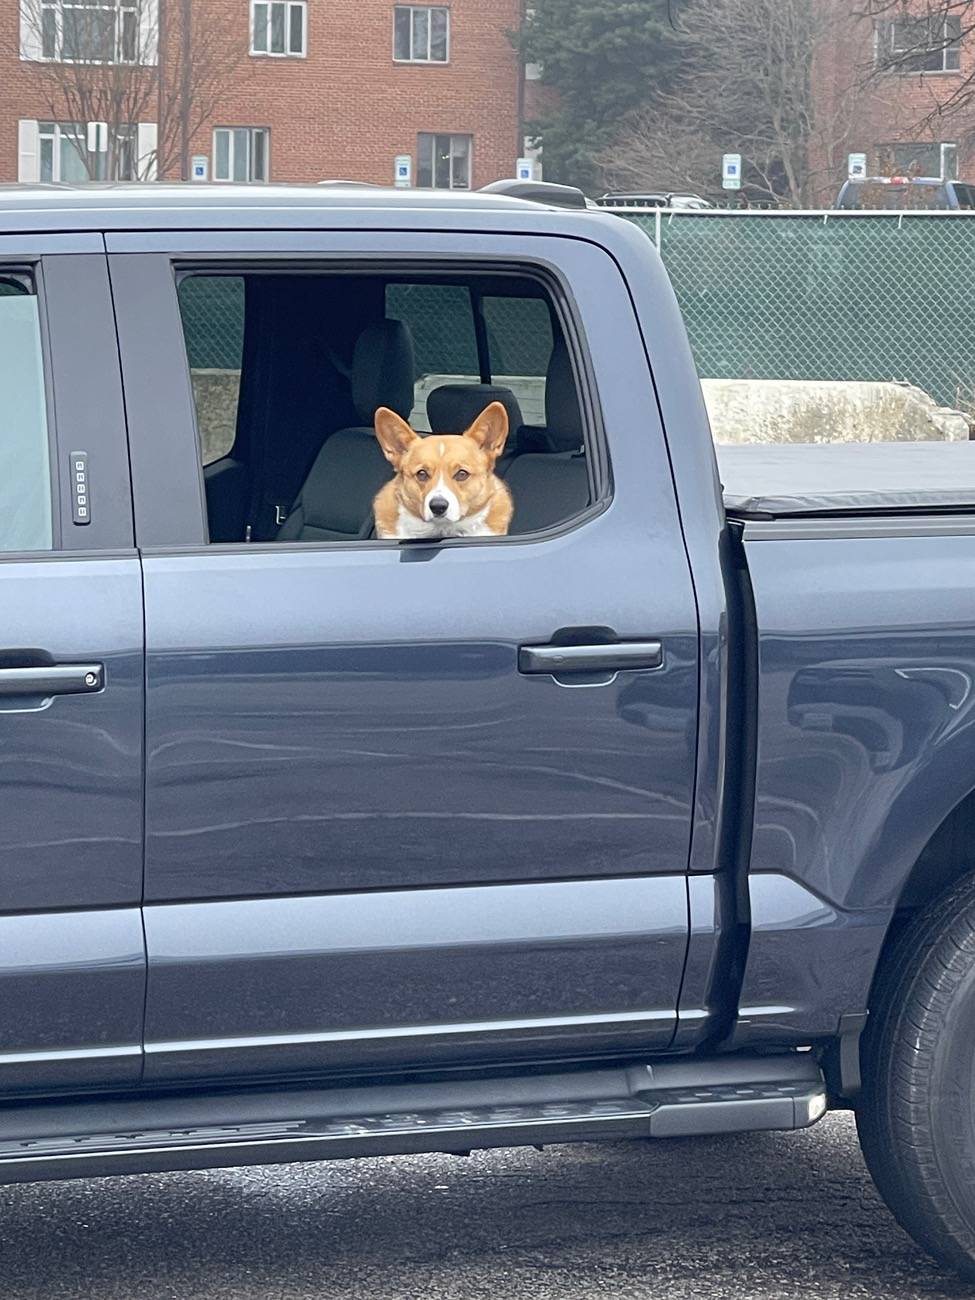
x=72 y=955
x=325 y=720
x=688 y=860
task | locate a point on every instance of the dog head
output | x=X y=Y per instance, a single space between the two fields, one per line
x=444 y=476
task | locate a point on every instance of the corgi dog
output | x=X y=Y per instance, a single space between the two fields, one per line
x=445 y=484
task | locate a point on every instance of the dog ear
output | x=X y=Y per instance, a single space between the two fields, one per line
x=394 y=434
x=490 y=430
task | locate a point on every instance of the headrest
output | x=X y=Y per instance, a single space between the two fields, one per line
x=452 y=408
x=563 y=417
x=383 y=370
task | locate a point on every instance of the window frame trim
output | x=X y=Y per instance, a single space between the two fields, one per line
x=254 y=53
x=452 y=136
x=251 y=130
x=57 y=7
x=60 y=134
x=413 y=60
x=561 y=302
x=894 y=58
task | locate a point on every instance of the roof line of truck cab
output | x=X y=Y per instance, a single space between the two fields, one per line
x=133 y=206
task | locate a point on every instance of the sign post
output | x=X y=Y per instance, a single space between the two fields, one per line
x=403 y=171
x=199 y=167
x=525 y=169
x=856 y=166
x=731 y=171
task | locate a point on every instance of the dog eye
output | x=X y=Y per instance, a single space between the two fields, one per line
x=461 y=475
x=422 y=475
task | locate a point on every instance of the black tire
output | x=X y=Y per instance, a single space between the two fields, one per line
x=916 y=1113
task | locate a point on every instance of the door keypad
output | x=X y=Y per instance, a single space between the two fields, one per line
x=80 y=494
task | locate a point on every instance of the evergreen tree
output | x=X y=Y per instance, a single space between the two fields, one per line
x=600 y=59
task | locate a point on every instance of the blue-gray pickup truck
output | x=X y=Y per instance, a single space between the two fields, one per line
x=652 y=817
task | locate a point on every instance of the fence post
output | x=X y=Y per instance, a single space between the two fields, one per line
x=657 y=227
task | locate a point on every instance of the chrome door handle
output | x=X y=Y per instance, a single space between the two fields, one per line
x=560 y=659
x=52 y=679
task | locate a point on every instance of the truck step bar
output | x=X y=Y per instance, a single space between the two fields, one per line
x=217 y=1130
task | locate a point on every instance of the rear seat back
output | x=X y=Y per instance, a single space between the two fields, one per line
x=551 y=486
x=335 y=501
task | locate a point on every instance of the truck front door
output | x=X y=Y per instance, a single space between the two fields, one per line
x=384 y=830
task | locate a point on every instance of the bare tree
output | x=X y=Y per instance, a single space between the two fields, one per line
x=107 y=68
x=746 y=86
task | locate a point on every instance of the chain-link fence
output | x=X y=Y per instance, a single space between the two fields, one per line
x=212 y=307
x=838 y=296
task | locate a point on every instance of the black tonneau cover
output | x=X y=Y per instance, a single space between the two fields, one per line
x=803 y=479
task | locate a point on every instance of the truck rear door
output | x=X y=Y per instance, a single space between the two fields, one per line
x=72 y=965
x=388 y=825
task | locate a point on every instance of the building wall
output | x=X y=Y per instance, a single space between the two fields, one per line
x=864 y=110
x=344 y=111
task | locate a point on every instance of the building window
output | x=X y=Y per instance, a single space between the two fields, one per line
x=919 y=159
x=421 y=34
x=443 y=161
x=241 y=153
x=279 y=28
x=70 y=152
x=920 y=44
x=85 y=31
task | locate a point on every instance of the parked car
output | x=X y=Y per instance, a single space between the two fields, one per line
x=651 y=818
x=906 y=194
x=653 y=199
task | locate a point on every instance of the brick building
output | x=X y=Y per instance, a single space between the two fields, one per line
x=283 y=90
x=879 y=87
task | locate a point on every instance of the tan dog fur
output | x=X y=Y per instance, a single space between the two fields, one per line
x=454 y=468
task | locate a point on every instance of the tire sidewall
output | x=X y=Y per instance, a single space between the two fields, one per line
x=951 y=1100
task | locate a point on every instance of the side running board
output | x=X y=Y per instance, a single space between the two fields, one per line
x=211 y=1130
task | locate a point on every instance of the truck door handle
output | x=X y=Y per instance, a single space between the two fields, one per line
x=557 y=660
x=52 y=679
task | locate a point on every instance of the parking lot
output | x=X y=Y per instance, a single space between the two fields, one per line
x=759 y=1216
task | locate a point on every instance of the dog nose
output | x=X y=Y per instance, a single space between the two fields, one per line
x=438 y=507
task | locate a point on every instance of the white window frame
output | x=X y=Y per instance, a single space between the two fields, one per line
x=231 y=145
x=949 y=150
x=42 y=17
x=290 y=7
x=889 y=51
x=429 y=10
x=95 y=135
x=452 y=136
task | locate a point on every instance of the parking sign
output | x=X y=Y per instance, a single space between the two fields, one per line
x=731 y=171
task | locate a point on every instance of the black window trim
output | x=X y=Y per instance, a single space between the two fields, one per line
x=448 y=267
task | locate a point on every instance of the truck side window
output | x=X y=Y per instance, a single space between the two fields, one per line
x=289 y=368
x=25 y=465
x=212 y=307
x=520 y=339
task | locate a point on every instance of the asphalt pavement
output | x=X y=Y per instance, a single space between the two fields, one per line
x=757 y=1217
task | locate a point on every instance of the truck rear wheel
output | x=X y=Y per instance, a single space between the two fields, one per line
x=916 y=1113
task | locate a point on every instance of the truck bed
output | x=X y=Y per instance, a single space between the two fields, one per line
x=810 y=479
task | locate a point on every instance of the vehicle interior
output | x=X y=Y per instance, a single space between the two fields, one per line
x=289 y=369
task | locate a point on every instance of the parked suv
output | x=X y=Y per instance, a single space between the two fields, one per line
x=906 y=194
